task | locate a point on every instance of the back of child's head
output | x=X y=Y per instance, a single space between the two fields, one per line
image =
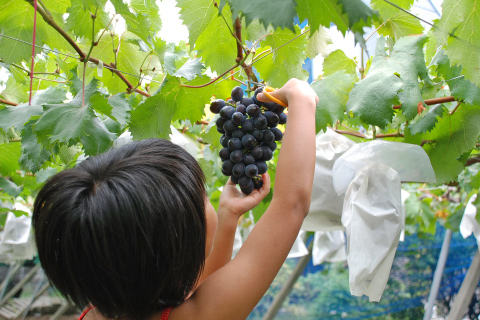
x=124 y=230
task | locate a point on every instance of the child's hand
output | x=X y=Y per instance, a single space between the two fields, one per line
x=235 y=202
x=293 y=89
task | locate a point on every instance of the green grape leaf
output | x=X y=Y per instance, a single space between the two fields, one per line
x=419 y=212
x=10 y=187
x=17 y=116
x=9 y=154
x=357 y=12
x=390 y=78
x=427 y=120
x=285 y=62
x=336 y=61
x=453 y=136
x=196 y=15
x=190 y=69
x=149 y=9
x=137 y=23
x=318 y=43
x=115 y=107
x=462 y=89
x=211 y=135
x=322 y=13
x=71 y=123
x=34 y=155
x=121 y=108
x=458 y=32
x=129 y=59
x=80 y=22
x=14 y=91
x=220 y=54
x=394 y=22
x=189 y=102
x=151 y=119
x=265 y=12
x=333 y=93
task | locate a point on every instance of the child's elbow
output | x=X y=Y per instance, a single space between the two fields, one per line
x=299 y=203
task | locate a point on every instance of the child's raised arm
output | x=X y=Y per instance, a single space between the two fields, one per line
x=234 y=290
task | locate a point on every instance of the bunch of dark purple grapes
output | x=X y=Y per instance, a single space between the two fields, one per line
x=249 y=134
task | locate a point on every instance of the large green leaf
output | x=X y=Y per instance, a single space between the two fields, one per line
x=453 y=136
x=457 y=30
x=10 y=187
x=461 y=88
x=333 y=95
x=16 y=20
x=216 y=44
x=338 y=60
x=196 y=15
x=34 y=155
x=80 y=22
x=17 y=116
x=286 y=61
x=390 y=78
x=9 y=154
x=279 y=15
x=394 y=22
x=322 y=13
x=137 y=23
x=71 y=123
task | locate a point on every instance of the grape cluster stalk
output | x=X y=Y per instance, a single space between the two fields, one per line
x=249 y=136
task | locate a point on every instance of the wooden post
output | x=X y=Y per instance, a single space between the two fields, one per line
x=464 y=295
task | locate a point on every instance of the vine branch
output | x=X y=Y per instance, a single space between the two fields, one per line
x=8 y=102
x=49 y=20
x=430 y=102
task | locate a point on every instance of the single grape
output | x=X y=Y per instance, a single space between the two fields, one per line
x=254 y=98
x=258 y=134
x=248 y=141
x=224 y=154
x=219 y=123
x=231 y=101
x=237 y=93
x=234 y=179
x=241 y=108
x=248 y=159
x=257 y=152
x=253 y=110
x=260 y=122
x=282 y=118
x=217 y=105
x=247 y=190
x=257 y=182
x=244 y=181
x=238 y=169
x=279 y=109
x=248 y=126
x=267 y=153
x=236 y=156
x=262 y=167
x=251 y=170
x=238 y=134
x=268 y=136
x=271 y=145
x=227 y=112
x=234 y=144
x=227 y=167
x=278 y=134
x=238 y=118
x=272 y=118
x=246 y=101
x=229 y=126
x=270 y=106
x=224 y=140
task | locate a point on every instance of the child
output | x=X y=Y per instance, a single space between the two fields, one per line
x=128 y=232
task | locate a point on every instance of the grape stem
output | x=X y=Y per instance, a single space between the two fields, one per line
x=430 y=102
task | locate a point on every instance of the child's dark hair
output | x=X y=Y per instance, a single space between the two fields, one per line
x=125 y=230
